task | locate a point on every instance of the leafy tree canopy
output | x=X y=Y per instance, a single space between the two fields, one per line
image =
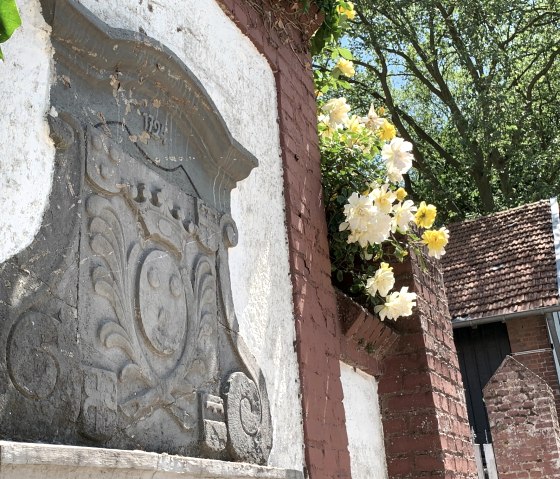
x=474 y=85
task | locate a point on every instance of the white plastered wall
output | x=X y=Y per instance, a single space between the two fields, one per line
x=26 y=162
x=363 y=424
x=242 y=85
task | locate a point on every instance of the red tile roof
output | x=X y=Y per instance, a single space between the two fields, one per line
x=501 y=264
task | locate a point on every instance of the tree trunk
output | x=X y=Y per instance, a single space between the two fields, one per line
x=501 y=164
x=482 y=181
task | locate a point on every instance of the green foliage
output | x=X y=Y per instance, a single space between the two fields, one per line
x=324 y=43
x=333 y=24
x=345 y=171
x=327 y=77
x=9 y=20
x=475 y=86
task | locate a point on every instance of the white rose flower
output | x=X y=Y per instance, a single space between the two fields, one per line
x=398 y=304
x=393 y=175
x=398 y=158
x=382 y=281
x=337 y=109
x=366 y=223
x=405 y=301
x=358 y=212
x=379 y=228
x=403 y=215
x=383 y=198
x=359 y=237
x=373 y=121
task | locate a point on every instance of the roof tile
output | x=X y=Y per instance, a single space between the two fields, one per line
x=502 y=263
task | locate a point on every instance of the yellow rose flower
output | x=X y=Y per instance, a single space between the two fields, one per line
x=426 y=215
x=387 y=131
x=401 y=194
x=347 y=11
x=436 y=241
x=346 y=67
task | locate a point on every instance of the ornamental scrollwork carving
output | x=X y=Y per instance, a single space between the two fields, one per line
x=244 y=419
x=245 y=395
x=161 y=324
x=125 y=335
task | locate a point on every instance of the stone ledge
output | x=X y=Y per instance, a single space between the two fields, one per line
x=45 y=461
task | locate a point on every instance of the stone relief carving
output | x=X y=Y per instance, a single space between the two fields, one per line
x=212 y=424
x=32 y=359
x=99 y=406
x=127 y=337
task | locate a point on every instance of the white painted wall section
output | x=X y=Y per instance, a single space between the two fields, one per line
x=363 y=424
x=242 y=85
x=27 y=159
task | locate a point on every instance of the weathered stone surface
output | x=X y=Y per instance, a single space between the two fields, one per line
x=244 y=416
x=117 y=323
x=524 y=422
x=41 y=461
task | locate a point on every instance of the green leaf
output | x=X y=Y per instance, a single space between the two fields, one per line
x=9 y=19
x=345 y=53
x=355 y=288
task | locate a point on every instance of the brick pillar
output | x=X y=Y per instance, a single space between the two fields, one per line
x=420 y=390
x=524 y=423
x=285 y=46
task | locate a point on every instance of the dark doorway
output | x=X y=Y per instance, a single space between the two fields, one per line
x=481 y=350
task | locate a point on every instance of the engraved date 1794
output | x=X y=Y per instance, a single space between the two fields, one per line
x=152 y=126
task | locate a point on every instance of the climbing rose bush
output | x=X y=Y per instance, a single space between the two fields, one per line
x=370 y=220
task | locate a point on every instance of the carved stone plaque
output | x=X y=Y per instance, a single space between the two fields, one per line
x=117 y=324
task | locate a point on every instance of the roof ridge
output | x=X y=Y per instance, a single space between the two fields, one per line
x=500 y=213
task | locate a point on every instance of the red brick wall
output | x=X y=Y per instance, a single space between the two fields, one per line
x=317 y=327
x=433 y=440
x=524 y=423
x=530 y=345
x=364 y=339
x=421 y=392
